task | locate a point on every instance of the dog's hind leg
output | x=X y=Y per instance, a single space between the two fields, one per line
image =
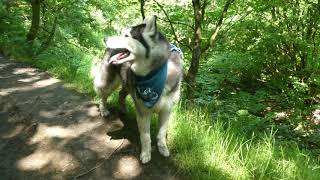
x=104 y=91
x=103 y=103
x=143 y=121
x=122 y=100
x=164 y=116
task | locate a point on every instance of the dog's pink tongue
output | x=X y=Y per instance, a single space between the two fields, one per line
x=121 y=56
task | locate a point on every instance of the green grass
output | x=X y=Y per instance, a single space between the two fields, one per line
x=73 y=68
x=228 y=144
x=216 y=148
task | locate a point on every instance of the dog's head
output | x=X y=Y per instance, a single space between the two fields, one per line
x=142 y=43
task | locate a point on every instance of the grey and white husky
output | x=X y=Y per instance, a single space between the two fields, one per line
x=150 y=70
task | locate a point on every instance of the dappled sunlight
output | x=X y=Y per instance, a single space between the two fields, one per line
x=69 y=132
x=28 y=71
x=28 y=80
x=281 y=115
x=101 y=144
x=49 y=114
x=8 y=91
x=127 y=167
x=49 y=131
x=53 y=153
x=3 y=66
x=50 y=159
x=93 y=111
x=31 y=79
x=16 y=131
x=287 y=167
x=98 y=15
x=316 y=117
x=45 y=82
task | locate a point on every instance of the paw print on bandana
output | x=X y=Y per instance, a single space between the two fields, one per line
x=147 y=94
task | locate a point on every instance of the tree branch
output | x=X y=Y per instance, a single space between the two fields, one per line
x=203 y=9
x=218 y=26
x=171 y=26
x=178 y=22
x=142 y=2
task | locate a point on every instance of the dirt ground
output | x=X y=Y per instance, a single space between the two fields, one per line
x=50 y=132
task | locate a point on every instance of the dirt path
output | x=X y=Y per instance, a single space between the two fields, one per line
x=50 y=132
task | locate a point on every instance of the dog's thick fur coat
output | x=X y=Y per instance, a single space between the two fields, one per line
x=138 y=51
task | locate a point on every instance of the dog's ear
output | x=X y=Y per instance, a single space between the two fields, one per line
x=151 y=24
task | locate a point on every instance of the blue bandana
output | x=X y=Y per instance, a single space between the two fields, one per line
x=150 y=87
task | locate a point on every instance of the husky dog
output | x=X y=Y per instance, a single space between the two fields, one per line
x=150 y=70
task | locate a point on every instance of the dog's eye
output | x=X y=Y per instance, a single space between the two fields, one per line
x=126 y=35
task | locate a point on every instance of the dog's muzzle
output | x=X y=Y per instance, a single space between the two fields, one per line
x=117 y=54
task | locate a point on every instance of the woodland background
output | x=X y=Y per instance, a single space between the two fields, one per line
x=251 y=92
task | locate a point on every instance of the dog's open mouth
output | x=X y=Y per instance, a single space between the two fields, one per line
x=118 y=54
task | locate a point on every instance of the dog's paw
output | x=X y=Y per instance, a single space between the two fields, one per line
x=145 y=157
x=105 y=113
x=163 y=150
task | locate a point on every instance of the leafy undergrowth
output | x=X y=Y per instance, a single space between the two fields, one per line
x=220 y=146
x=248 y=128
x=248 y=131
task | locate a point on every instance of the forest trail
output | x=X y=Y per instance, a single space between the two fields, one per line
x=50 y=132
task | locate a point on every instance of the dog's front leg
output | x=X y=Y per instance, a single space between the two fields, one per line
x=143 y=121
x=164 y=117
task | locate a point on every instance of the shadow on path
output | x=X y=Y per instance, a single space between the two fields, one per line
x=50 y=132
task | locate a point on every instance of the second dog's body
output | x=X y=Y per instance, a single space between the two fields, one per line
x=150 y=71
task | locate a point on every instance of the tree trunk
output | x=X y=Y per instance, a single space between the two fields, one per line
x=32 y=34
x=142 y=2
x=48 y=42
x=198 y=49
x=196 y=53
